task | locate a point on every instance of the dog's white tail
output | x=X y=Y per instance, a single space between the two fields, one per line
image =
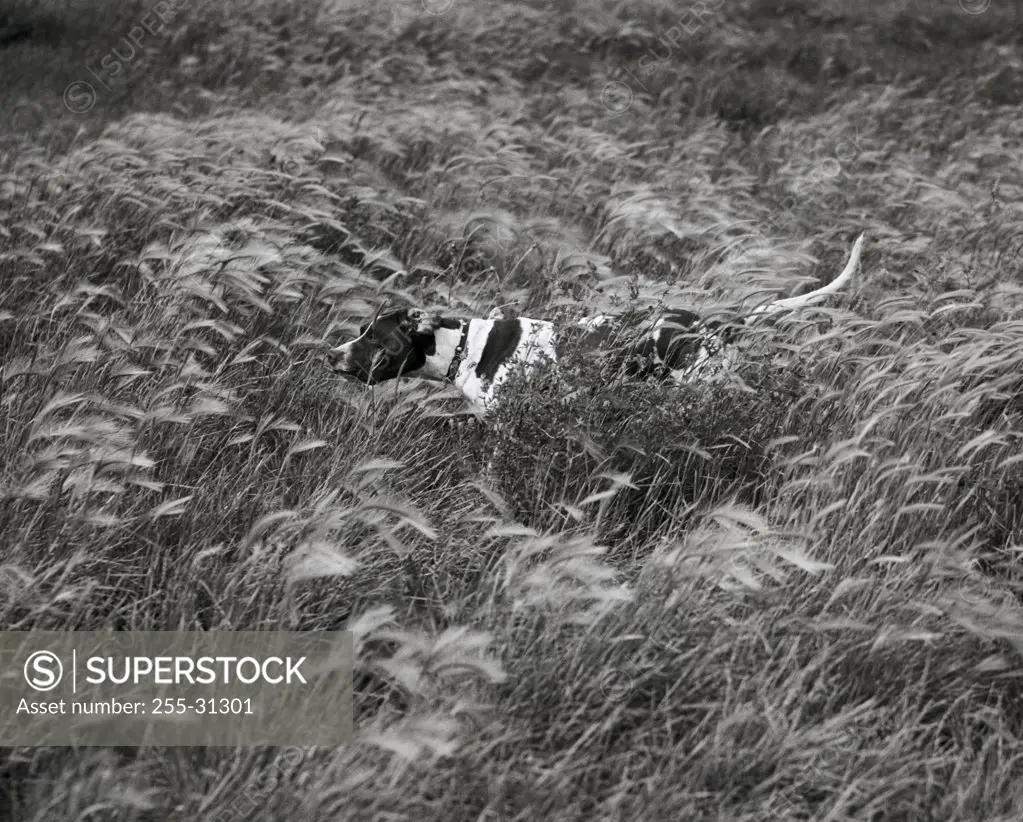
x=815 y=296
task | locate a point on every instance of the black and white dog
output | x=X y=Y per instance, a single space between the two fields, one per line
x=478 y=355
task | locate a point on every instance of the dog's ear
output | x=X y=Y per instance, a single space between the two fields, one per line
x=418 y=321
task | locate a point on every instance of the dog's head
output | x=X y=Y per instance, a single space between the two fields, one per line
x=388 y=346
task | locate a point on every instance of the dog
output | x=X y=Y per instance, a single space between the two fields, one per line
x=479 y=355
x=476 y=355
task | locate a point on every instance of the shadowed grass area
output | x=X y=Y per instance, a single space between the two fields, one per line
x=791 y=597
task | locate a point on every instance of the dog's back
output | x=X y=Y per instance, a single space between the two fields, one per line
x=637 y=342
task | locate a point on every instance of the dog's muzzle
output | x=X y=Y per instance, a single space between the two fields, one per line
x=345 y=363
x=340 y=361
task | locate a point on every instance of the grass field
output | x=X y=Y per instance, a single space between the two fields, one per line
x=798 y=602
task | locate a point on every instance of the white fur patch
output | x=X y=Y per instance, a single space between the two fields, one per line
x=535 y=348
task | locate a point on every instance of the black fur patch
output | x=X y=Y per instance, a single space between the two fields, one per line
x=503 y=339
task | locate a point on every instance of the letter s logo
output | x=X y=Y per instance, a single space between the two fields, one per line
x=43 y=670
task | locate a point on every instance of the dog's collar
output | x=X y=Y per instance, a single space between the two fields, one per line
x=456 y=361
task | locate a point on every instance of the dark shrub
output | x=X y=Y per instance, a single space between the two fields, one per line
x=554 y=443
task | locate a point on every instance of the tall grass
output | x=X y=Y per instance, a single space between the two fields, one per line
x=793 y=596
